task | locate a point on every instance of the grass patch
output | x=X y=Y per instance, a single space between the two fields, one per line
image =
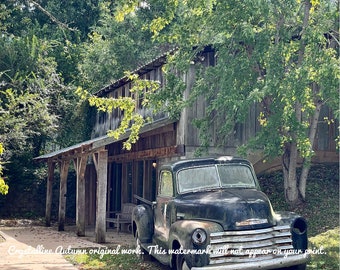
x=321 y=209
x=327 y=242
x=89 y=259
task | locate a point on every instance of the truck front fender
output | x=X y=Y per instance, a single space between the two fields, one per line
x=298 y=228
x=142 y=222
x=181 y=237
x=182 y=230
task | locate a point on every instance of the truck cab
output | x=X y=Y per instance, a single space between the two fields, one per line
x=210 y=213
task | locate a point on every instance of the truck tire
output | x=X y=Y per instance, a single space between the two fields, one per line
x=143 y=255
x=297 y=267
x=180 y=263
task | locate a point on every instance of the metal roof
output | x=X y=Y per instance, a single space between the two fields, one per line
x=69 y=149
x=92 y=145
x=157 y=62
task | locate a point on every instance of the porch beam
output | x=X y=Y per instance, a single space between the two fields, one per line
x=64 y=165
x=175 y=150
x=80 y=166
x=101 y=164
x=49 y=191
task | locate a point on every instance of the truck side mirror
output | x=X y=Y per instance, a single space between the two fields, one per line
x=153 y=204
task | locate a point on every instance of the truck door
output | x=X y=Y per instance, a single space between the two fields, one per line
x=162 y=213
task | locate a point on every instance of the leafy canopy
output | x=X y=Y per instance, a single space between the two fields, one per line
x=131 y=119
x=115 y=47
x=3 y=185
x=278 y=54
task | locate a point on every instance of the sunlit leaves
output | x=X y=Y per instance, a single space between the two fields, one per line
x=125 y=10
x=3 y=186
x=158 y=24
x=266 y=53
x=131 y=120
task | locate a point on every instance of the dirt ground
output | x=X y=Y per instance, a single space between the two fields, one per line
x=27 y=244
x=32 y=248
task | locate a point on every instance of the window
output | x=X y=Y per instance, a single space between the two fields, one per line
x=166 y=184
x=199 y=178
x=236 y=176
x=215 y=176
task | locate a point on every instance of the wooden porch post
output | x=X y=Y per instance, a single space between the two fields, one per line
x=64 y=165
x=80 y=166
x=101 y=161
x=51 y=166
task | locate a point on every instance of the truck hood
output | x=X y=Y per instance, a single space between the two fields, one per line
x=234 y=209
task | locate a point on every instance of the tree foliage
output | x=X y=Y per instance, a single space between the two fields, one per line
x=31 y=94
x=39 y=109
x=114 y=48
x=131 y=120
x=40 y=54
x=280 y=54
x=3 y=185
x=283 y=55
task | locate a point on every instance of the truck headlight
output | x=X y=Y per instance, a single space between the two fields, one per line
x=299 y=234
x=199 y=236
x=299 y=226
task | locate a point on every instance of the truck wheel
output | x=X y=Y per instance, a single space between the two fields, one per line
x=297 y=267
x=139 y=247
x=143 y=255
x=180 y=263
x=301 y=267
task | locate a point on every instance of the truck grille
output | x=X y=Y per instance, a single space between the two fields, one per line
x=250 y=245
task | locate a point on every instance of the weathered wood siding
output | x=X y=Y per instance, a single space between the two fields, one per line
x=189 y=134
x=327 y=131
x=110 y=120
x=153 y=144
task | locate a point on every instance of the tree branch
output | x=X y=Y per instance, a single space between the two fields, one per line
x=52 y=18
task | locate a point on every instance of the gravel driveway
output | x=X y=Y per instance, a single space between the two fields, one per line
x=26 y=245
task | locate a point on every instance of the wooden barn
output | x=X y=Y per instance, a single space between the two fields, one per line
x=108 y=176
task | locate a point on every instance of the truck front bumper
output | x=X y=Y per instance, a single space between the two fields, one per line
x=265 y=264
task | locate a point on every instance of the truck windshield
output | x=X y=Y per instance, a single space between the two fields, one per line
x=215 y=176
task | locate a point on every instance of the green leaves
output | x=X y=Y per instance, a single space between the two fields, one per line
x=3 y=185
x=278 y=55
x=131 y=119
x=32 y=95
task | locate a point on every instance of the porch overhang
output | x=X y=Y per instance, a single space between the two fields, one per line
x=93 y=145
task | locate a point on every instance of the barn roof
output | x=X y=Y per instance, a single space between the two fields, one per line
x=153 y=64
x=92 y=145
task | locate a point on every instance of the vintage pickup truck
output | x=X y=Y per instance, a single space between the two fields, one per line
x=211 y=214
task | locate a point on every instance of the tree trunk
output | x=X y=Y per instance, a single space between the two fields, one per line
x=289 y=161
x=298 y=111
x=306 y=162
x=303 y=179
x=290 y=156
